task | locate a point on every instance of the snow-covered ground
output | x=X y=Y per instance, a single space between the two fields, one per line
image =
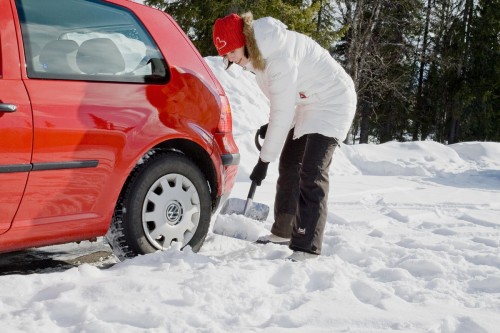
x=412 y=244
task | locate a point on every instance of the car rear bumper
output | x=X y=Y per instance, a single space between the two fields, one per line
x=230 y=159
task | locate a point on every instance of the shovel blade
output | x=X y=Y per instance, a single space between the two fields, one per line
x=256 y=211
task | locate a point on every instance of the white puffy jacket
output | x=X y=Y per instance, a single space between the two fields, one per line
x=306 y=87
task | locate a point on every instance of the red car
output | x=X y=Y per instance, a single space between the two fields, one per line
x=111 y=123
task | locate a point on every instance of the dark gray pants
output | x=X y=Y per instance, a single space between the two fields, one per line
x=300 y=207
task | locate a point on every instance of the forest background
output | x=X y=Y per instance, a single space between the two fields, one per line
x=423 y=69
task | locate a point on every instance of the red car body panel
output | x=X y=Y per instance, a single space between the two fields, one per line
x=98 y=139
x=15 y=127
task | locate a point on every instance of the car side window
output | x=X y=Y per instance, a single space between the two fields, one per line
x=88 y=40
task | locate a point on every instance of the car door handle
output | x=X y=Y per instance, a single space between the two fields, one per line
x=5 y=107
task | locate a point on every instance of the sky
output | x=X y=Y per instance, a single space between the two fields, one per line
x=412 y=244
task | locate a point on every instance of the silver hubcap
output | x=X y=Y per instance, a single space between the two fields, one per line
x=171 y=211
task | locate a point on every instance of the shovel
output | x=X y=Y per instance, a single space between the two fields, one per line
x=248 y=207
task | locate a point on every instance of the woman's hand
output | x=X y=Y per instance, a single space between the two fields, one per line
x=259 y=172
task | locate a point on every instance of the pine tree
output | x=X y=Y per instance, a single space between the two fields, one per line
x=379 y=57
x=481 y=119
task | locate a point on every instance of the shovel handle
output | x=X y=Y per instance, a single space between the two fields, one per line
x=249 y=201
x=257 y=142
x=252 y=190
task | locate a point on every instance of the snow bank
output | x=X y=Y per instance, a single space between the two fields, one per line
x=484 y=154
x=422 y=158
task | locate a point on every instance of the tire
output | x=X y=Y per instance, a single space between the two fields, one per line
x=166 y=200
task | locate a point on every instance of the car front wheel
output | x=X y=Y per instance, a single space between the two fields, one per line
x=167 y=200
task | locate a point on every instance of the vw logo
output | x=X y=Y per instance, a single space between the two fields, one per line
x=174 y=212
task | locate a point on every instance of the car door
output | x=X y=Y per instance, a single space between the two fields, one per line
x=15 y=122
x=87 y=67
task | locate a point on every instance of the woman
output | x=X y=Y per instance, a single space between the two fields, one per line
x=312 y=104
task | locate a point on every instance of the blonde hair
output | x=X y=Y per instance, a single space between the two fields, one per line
x=258 y=62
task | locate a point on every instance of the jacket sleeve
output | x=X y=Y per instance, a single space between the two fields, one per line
x=281 y=74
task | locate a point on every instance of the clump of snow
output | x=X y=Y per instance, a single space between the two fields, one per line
x=238 y=226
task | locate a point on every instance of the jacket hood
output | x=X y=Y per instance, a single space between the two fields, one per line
x=264 y=37
x=270 y=35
